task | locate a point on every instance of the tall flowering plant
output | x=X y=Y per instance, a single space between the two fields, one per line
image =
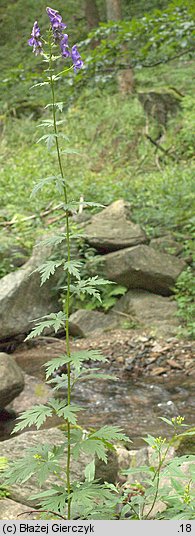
x=66 y=499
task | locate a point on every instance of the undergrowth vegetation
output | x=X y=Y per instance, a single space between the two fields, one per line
x=107 y=155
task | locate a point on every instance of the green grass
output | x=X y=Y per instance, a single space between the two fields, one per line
x=114 y=158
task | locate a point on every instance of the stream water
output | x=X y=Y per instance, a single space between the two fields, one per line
x=133 y=404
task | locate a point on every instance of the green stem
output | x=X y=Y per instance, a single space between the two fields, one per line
x=68 y=289
x=160 y=462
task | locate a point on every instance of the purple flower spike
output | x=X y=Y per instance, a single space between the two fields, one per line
x=56 y=23
x=34 y=41
x=64 y=46
x=76 y=58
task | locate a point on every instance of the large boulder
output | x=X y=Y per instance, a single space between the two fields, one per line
x=11 y=510
x=112 y=229
x=21 y=300
x=11 y=380
x=84 y=323
x=167 y=244
x=157 y=313
x=139 y=267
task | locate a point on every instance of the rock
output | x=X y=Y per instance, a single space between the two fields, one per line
x=108 y=472
x=13 y=254
x=84 y=323
x=11 y=510
x=21 y=300
x=112 y=229
x=137 y=458
x=158 y=313
x=166 y=244
x=185 y=445
x=139 y=267
x=35 y=392
x=11 y=379
x=17 y=446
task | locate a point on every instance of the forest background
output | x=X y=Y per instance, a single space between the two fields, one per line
x=108 y=154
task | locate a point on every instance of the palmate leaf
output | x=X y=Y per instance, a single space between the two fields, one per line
x=89 y=495
x=54 y=320
x=87 y=355
x=90 y=286
x=73 y=268
x=76 y=359
x=54 y=364
x=47 y=269
x=41 y=461
x=93 y=447
x=52 y=241
x=68 y=412
x=58 y=383
x=44 y=182
x=50 y=140
x=59 y=105
x=49 y=123
x=54 y=499
x=36 y=415
x=110 y=433
x=85 y=373
x=97 y=443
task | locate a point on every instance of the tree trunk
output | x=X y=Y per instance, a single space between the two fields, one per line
x=91 y=13
x=113 y=9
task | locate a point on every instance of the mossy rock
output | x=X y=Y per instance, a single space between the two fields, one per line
x=185 y=445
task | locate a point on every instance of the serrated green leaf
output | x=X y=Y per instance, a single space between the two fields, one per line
x=44 y=182
x=54 y=364
x=55 y=320
x=49 y=139
x=46 y=123
x=93 y=447
x=47 y=269
x=52 y=241
x=60 y=382
x=110 y=433
x=36 y=415
x=68 y=412
x=88 y=497
x=73 y=268
x=90 y=471
x=89 y=286
x=58 y=105
x=87 y=355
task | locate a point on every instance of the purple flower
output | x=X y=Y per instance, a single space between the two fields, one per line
x=64 y=46
x=76 y=58
x=56 y=22
x=34 y=41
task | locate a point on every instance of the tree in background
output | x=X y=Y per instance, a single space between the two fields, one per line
x=113 y=8
x=91 y=14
